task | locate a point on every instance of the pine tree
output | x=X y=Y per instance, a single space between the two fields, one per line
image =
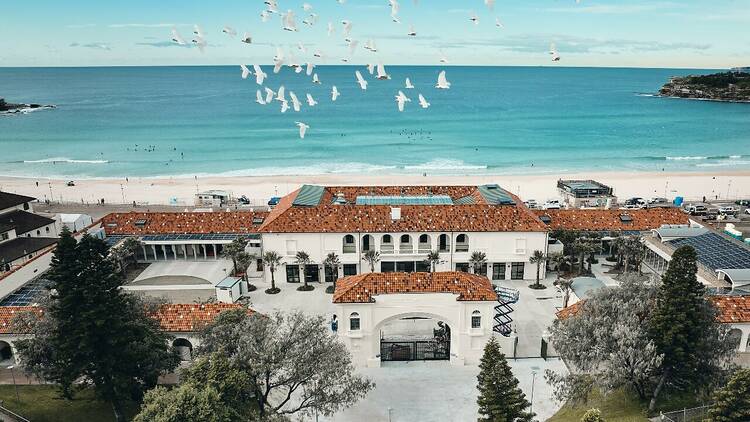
x=500 y=399
x=732 y=403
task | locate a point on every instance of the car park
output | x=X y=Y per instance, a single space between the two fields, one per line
x=728 y=210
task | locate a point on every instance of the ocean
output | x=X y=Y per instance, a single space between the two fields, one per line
x=188 y=121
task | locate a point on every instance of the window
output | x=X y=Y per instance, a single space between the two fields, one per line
x=259 y=265
x=331 y=274
x=444 y=244
x=387 y=267
x=462 y=243
x=476 y=319
x=516 y=270
x=520 y=246
x=386 y=243
x=498 y=271
x=4 y=236
x=47 y=229
x=405 y=238
x=291 y=247
x=387 y=239
x=38 y=232
x=26 y=206
x=405 y=267
x=425 y=243
x=312 y=273
x=350 y=269
x=292 y=274
x=368 y=242
x=405 y=246
x=423 y=266
x=424 y=238
x=481 y=270
x=349 y=246
x=462 y=266
x=354 y=322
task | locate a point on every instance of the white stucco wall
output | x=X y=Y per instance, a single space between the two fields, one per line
x=467 y=343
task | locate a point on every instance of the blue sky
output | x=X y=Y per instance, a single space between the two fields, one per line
x=630 y=33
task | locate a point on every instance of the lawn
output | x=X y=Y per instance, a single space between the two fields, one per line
x=42 y=403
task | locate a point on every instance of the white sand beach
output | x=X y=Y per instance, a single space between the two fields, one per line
x=181 y=191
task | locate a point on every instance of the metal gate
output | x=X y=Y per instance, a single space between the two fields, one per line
x=414 y=350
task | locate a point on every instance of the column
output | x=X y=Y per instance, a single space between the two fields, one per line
x=153 y=249
x=205 y=255
x=145 y=255
x=164 y=251
x=184 y=251
x=195 y=252
x=216 y=256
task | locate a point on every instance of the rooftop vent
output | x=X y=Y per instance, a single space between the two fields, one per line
x=257 y=220
x=395 y=213
x=140 y=223
x=625 y=218
x=340 y=199
x=546 y=219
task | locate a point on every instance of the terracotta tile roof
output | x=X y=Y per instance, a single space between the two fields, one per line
x=732 y=308
x=360 y=288
x=609 y=220
x=191 y=317
x=171 y=317
x=570 y=310
x=236 y=222
x=352 y=192
x=8 y=313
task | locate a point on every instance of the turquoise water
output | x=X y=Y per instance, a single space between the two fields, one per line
x=185 y=121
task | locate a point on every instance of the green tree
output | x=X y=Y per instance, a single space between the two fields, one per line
x=94 y=333
x=684 y=329
x=592 y=415
x=272 y=260
x=477 y=260
x=124 y=253
x=294 y=363
x=433 y=258
x=538 y=258
x=233 y=250
x=372 y=257
x=186 y=403
x=732 y=403
x=302 y=259
x=566 y=285
x=583 y=248
x=332 y=261
x=500 y=399
x=242 y=262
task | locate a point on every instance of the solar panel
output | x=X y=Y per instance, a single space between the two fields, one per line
x=466 y=200
x=29 y=293
x=716 y=251
x=309 y=196
x=404 y=200
x=494 y=194
x=546 y=219
x=197 y=236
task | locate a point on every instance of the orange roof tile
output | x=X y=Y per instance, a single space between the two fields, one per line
x=569 y=311
x=191 y=317
x=609 y=220
x=361 y=288
x=237 y=222
x=8 y=313
x=732 y=308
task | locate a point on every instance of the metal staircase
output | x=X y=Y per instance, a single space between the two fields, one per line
x=505 y=297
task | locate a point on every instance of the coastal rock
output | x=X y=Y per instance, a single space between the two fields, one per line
x=9 y=108
x=728 y=86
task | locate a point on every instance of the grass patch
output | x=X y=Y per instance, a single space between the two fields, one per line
x=42 y=403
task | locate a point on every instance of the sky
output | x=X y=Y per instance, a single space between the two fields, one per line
x=705 y=34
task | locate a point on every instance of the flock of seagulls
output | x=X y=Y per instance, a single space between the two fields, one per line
x=266 y=96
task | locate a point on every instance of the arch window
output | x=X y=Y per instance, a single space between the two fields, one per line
x=476 y=319
x=405 y=245
x=368 y=243
x=184 y=348
x=425 y=243
x=462 y=243
x=386 y=243
x=735 y=336
x=444 y=243
x=354 y=323
x=349 y=245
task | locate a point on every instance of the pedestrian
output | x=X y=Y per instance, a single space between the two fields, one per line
x=334 y=324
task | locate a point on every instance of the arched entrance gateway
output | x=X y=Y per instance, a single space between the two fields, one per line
x=415 y=316
x=6 y=354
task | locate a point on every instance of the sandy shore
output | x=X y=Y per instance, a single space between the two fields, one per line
x=180 y=191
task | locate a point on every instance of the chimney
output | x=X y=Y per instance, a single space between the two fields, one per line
x=395 y=213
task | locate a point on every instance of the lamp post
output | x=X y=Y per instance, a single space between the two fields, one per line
x=13 y=374
x=533 y=381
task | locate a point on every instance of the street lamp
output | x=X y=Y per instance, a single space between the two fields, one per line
x=534 y=369
x=13 y=374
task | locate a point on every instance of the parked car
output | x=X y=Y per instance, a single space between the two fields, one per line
x=635 y=203
x=531 y=203
x=654 y=201
x=696 y=210
x=743 y=202
x=728 y=210
x=274 y=201
x=552 y=204
x=71 y=183
x=243 y=200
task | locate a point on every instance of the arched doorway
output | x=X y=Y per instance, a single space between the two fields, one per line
x=735 y=337
x=6 y=354
x=414 y=337
x=184 y=349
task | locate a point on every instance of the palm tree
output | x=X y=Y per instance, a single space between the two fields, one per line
x=477 y=260
x=273 y=260
x=565 y=284
x=243 y=260
x=332 y=261
x=583 y=247
x=302 y=259
x=372 y=257
x=558 y=259
x=433 y=258
x=124 y=252
x=233 y=249
x=636 y=251
x=538 y=258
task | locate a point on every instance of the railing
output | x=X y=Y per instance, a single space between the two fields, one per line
x=406 y=249
x=350 y=249
x=685 y=415
x=461 y=247
x=425 y=249
x=414 y=350
x=505 y=297
x=10 y=415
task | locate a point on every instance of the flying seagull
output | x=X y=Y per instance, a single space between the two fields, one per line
x=315 y=79
x=245 y=72
x=442 y=82
x=295 y=101
x=412 y=32
x=371 y=69
x=284 y=106
x=423 y=102
x=288 y=21
x=360 y=80
x=280 y=94
x=408 y=84
x=309 y=69
x=269 y=95
x=347 y=28
x=498 y=23
x=310 y=100
x=247 y=39
x=229 y=31
x=260 y=75
x=474 y=18
x=401 y=99
x=331 y=30
x=381 y=72
x=259 y=98
x=553 y=53
x=302 y=129
x=334 y=93
x=177 y=38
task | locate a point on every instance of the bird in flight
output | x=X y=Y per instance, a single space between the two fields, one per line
x=442 y=82
x=360 y=80
x=401 y=100
x=423 y=102
x=302 y=129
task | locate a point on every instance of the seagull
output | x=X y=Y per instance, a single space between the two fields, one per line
x=315 y=79
x=371 y=68
x=278 y=60
x=198 y=32
x=334 y=93
x=307 y=7
x=443 y=58
x=498 y=23
x=273 y=6
x=245 y=72
x=259 y=98
x=229 y=31
x=353 y=47
x=288 y=20
x=298 y=69
x=177 y=38
x=200 y=42
x=408 y=84
x=394 y=7
x=490 y=4
x=370 y=45
x=423 y=102
x=412 y=32
x=553 y=52
x=269 y=95
x=331 y=29
x=318 y=54
x=311 y=19
x=264 y=16
x=284 y=106
x=347 y=28
x=295 y=101
x=260 y=75
x=442 y=83
x=474 y=18
x=247 y=39
x=302 y=129
x=311 y=101
x=401 y=99
x=280 y=94
x=381 y=72
x=309 y=69
x=360 y=80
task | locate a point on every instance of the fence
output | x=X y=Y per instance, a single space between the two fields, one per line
x=685 y=415
x=8 y=415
